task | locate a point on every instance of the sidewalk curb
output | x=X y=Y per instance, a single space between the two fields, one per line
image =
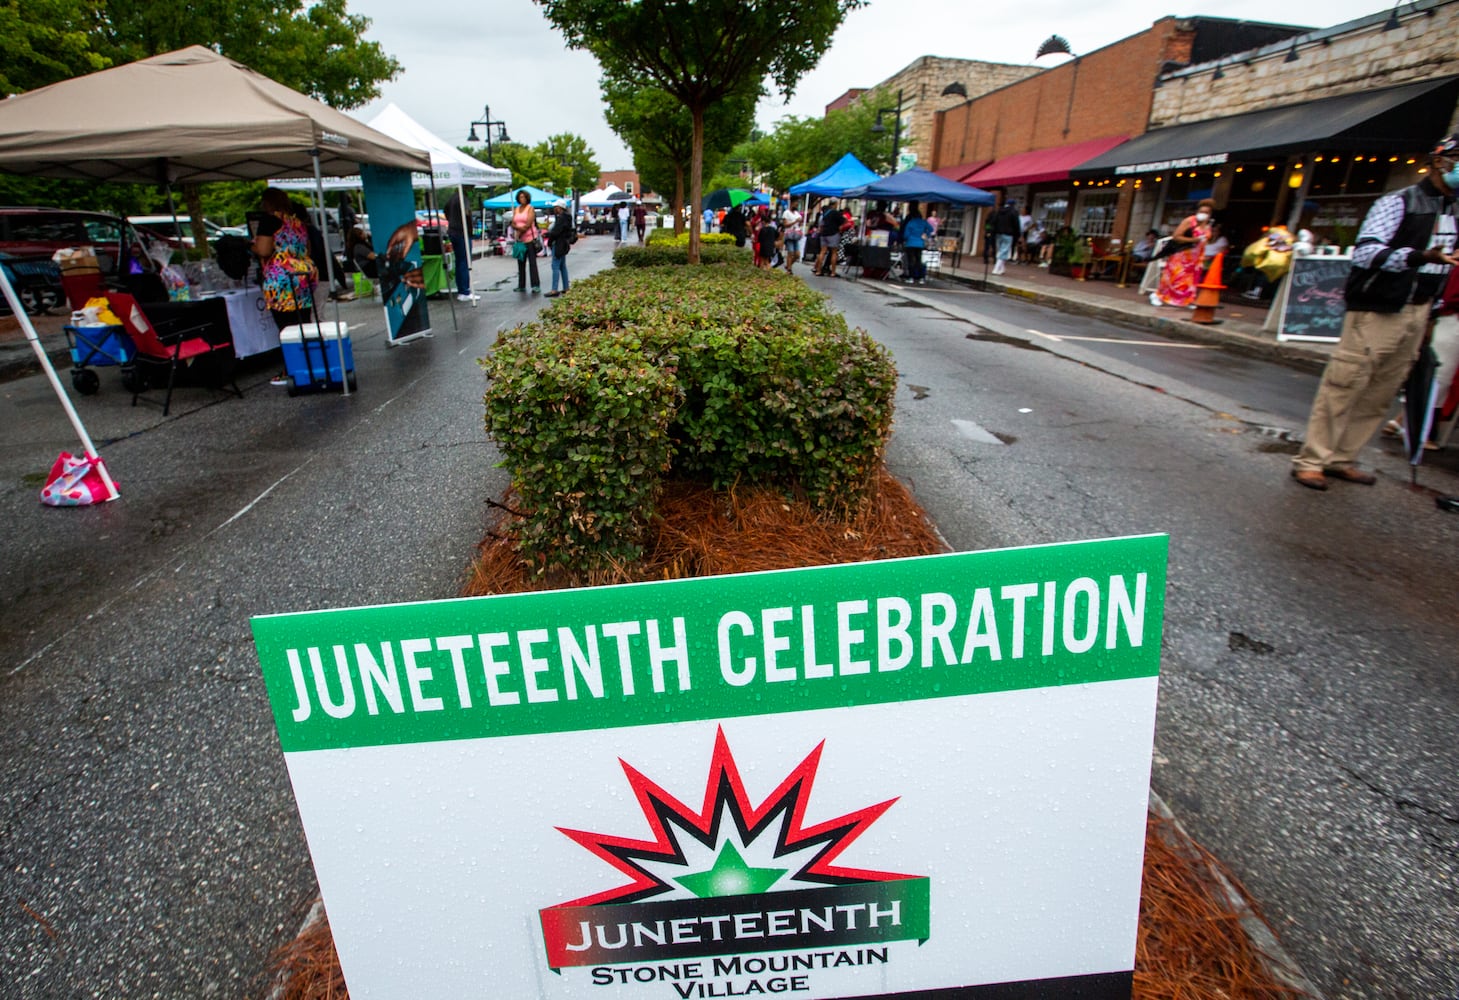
x=24 y=364
x=1296 y=355
x=1282 y=967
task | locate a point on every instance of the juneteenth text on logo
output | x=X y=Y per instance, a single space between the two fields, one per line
x=820 y=927
x=628 y=659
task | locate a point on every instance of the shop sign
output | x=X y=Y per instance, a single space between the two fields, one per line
x=850 y=781
x=1183 y=163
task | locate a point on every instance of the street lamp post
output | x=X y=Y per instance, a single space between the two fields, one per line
x=877 y=128
x=486 y=123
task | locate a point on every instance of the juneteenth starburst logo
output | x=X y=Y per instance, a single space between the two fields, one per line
x=698 y=884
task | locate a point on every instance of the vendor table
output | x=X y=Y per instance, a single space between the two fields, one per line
x=438 y=270
x=253 y=328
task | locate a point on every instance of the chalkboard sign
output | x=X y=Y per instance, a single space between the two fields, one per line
x=1311 y=302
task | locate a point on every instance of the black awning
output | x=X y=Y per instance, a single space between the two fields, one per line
x=1391 y=120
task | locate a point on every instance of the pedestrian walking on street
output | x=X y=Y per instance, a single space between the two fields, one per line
x=459 y=232
x=1007 y=230
x=831 y=223
x=791 y=233
x=622 y=216
x=1181 y=271
x=560 y=237
x=524 y=242
x=1405 y=249
x=640 y=220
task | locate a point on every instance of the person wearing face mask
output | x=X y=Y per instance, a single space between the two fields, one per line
x=1182 y=269
x=1402 y=259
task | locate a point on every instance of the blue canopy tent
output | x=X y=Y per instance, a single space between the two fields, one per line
x=540 y=198
x=847 y=172
x=917 y=184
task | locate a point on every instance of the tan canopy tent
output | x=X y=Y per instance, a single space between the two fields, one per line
x=189 y=115
x=181 y=117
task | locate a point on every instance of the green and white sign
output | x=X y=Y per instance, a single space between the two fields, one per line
x=851 y=781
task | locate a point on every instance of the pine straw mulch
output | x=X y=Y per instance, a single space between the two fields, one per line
x=1192 y=942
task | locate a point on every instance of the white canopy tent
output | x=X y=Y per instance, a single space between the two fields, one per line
x=599 y=198
x=449 y=166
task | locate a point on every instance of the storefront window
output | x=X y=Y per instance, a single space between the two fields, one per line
x=1096 y=213
x=1050 y=209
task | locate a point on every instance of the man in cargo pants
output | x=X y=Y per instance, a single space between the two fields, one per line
x=1403 y=255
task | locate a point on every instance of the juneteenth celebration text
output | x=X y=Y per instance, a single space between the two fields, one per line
x=804 y=645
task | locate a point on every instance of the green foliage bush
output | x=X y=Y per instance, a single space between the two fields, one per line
x=724 y=373
x=682 y=239
x=663 y=254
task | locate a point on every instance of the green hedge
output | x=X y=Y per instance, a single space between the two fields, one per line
x=664 y=254
x=723 y=373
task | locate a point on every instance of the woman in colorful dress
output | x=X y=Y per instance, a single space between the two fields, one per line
x=289 y=275
x=1182 y=270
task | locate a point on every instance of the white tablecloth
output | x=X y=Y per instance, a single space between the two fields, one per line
x=253 y=328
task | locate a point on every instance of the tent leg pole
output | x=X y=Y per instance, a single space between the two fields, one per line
x=40 y=352
x=344 y=376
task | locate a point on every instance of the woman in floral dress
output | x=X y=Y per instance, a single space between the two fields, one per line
x=1182 y=270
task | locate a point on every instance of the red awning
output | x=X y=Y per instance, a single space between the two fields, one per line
x=962 y=170
x=1052 y=164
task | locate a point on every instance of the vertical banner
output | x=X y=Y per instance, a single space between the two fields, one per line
x=395 y=238
x=919 y=777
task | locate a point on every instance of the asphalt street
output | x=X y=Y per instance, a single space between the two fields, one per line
x=1308 y=730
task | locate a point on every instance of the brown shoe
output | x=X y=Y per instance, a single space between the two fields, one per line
x=1352 y=474
x=1310 y=478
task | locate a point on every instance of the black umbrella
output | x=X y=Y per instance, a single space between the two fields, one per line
x=620 y=196
x=1420 y=396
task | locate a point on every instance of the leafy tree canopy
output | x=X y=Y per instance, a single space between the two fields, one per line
x=659 y=130
x=529 y=165
x=314 y=46
x=49 y=41
x=800 y=148
x=566 y=148
x=701 y=51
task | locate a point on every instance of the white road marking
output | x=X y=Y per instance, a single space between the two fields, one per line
x=968 y=429
x=1124 y=340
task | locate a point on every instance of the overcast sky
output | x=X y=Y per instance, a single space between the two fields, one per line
x=460 y=56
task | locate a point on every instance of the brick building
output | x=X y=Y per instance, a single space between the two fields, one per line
x=1024 y=139
x=627 y=180
x=1305 y=132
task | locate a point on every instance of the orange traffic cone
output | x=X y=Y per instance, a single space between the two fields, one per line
x=1208 y=292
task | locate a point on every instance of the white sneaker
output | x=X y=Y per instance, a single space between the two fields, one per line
x=467 y=298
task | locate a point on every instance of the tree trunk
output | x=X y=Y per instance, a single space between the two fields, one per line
x=696 y=180
x=678 y=199
x=192 y=196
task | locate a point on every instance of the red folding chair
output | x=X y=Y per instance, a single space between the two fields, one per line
x=178 y=336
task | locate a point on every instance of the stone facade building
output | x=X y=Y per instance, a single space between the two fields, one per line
x=922 y=84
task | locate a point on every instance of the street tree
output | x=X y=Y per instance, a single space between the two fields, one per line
x=572 y=151
x=659 y=129
x=799 y=148
x=701 y=51
x=529 y=165
x=314 y=46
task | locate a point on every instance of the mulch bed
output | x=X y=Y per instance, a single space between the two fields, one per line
x=1192 y=942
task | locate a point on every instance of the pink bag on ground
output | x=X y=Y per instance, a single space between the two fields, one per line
x=74 y=482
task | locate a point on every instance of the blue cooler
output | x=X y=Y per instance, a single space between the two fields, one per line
x=305 y=356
